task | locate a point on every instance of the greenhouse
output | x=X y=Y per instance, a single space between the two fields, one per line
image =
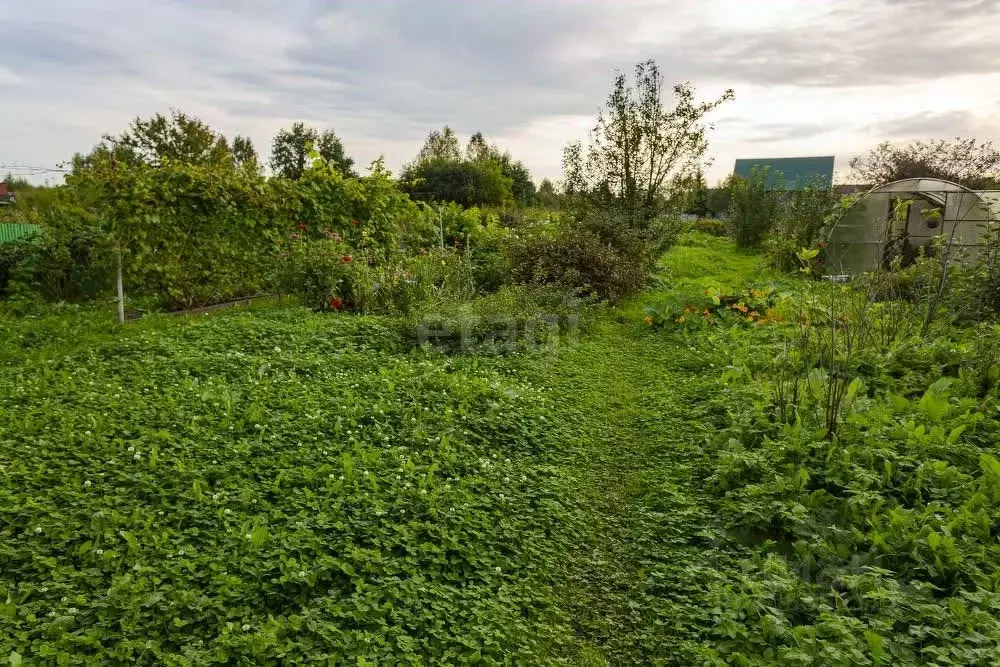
x=895 y=219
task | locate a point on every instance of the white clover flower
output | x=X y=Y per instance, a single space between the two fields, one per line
x=137 y=456
x=227 y=511
x=64 y=599
x=51 y=614
x=72 y=610
x=246 y=627
x=248 y=536
x=88 y=483
x=302 y=573
x=100 y=552
x=506 y=480
x=86 y=432
x=498 y=570
x=44 y=589
x=131 y=448
x=38 y=529
x=423 y=492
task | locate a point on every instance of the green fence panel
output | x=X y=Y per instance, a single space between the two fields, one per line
x=11 y=231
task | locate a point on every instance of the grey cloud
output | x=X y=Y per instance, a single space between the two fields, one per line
x=937 y=125
x=393 y=70
x=767 y=133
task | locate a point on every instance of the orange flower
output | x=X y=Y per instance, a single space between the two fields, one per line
x=680 y=319
x=648 y=320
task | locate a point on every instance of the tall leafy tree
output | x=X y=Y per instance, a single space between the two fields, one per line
x=642 y=147
x=244 y=154
x=547 y=195
x=440 y=144
x=963 y=161
x=178 y=137
x=291 y=147
x=483 y=174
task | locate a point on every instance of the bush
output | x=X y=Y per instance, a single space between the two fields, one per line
x=577 y=258
x=397 y=288
x=67 y=260
x=320 y=272
x=711 y=226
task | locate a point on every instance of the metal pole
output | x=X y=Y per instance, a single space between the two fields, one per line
x=441 y=227
x=121 y=290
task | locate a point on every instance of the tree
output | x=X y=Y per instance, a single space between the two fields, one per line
x=180 y=138
x=291 y=148
x=485 y=175
x=547 y=195
x=440 y=144
x=477 y=149
x=641 y=149
x=331 y=148
x=963 y=161
x=244 y=154
x=698 y=194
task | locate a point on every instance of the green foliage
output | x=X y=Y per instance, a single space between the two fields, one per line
x=576 y=256
x=711 y=226
x=800 y=221
x=484 y=175
x=320 y=272
x=755 y=208
x=643 y=152
x=752 y=305
x=399 y=288
x=292 y=148
x=274 y=487
x=179 y=138
x=512 y=319
x=283 y=486
x=65 y=261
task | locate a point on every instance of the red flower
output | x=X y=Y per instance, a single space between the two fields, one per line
x=355 y=222
x=336 y=303
x=820 y=244
x=346 y=259
x=300 y=226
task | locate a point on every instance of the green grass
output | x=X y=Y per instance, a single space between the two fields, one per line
x=274 y=486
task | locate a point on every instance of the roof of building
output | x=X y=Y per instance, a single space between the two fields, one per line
x=795 y=172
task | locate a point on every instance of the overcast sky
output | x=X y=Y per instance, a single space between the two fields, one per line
x=811 y=77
